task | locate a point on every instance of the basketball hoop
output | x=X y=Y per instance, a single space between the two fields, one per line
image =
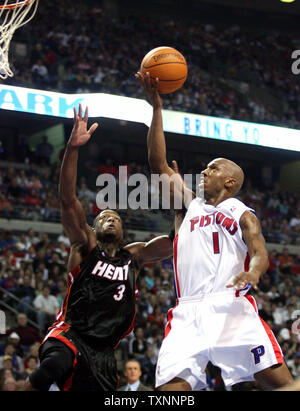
x=12 y=16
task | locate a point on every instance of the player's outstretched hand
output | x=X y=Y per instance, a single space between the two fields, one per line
x=175 y=166
x=80 y=134
x=241 y=280
x=150 y=90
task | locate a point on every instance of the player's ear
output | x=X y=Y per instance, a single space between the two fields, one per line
x=230 y=183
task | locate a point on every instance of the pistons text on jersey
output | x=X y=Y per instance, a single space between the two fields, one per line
x=215 y=218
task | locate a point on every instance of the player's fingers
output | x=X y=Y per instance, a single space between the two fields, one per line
x=175 y=166
x=86 y=114
x=80 y=111
x=148 y=81
x=236 y=282
x=75 y=126
x=139 y=77
x=93 y=128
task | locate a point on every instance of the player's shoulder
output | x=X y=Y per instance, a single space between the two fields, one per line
x=234 y=204
x=237 y=208
x=131 y=251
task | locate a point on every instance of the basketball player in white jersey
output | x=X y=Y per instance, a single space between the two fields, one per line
x=219 y=253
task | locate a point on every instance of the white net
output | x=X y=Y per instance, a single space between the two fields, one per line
x=13 y=14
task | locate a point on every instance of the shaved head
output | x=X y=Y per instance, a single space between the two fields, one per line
x=222 y=179
x=235 y=172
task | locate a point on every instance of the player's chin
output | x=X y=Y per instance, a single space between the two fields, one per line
x=206 y=194
x=107 y=236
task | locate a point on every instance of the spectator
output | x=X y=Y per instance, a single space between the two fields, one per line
x=7 y=365
x=272 y=269
x=62 y=238
x=20 y=384
x=15 y=340
x=294 y=364
x=17 y=364
x=60 y=290
x=32 y=199
x=8 y=241
x=32 y=363
x=149 y=277
x=285 y=262
x=280 y=314
x=6 y=206
x=8 y=282
x=273 y=293
x=286 y=286
x=22 y=244
x=32 y=352
x=40 y=72
x=28 y=335
x=26 y=293
x=47 y=306
x=31 y=237
x=139 y=343
x=163 y=302
x=148 y=363
x=55 y=261
x=158 y=318
x=9 y=384
x=44 y=150
x=133 y=373
x=295 y=221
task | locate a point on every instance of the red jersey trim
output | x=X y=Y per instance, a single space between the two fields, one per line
x=175 y=265
x=275 y=345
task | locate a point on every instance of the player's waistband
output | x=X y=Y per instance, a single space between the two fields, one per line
x=230 y=295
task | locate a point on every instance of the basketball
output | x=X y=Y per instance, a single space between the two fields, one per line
x=169 y=65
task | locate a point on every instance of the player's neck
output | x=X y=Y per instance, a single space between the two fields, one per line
x=110 y=248
x=217 y=199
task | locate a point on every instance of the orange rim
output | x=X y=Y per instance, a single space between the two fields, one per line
x=14 y=5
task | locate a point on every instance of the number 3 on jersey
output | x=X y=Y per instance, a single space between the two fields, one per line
x=120 y=292
x=216 y=243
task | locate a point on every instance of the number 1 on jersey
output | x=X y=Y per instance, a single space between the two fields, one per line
x=216 y=242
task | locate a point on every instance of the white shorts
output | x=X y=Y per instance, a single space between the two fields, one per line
x=221 y=328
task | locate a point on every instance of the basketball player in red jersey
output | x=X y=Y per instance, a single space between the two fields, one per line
x=219 y=253
x=99 y=308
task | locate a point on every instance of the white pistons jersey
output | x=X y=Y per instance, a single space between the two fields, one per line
x=209 y=250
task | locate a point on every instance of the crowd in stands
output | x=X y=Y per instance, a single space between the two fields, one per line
x=33 y=268
x=31 y=194
x=98 y=55
x=95 y=56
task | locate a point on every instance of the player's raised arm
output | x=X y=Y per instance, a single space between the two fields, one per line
x=259 y=261
x=158 y=249
x=72 y=215
x=157 y=146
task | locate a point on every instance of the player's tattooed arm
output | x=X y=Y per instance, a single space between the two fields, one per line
x=259 y=260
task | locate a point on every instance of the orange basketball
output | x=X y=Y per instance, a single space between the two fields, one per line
x=168 y=65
